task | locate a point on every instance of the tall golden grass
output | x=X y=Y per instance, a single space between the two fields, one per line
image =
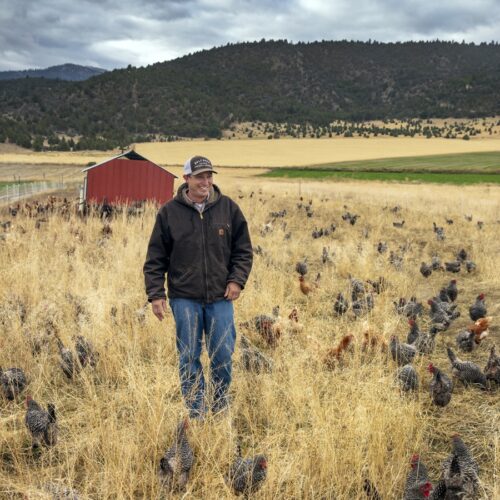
x=323 y=431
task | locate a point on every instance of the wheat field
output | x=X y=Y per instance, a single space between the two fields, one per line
x=323 y=431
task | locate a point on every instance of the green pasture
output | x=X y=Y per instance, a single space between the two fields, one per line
x=468 y=168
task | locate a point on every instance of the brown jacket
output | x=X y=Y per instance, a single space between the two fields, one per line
x=199 y=252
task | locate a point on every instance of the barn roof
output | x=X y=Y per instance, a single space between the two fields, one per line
x=130 y=155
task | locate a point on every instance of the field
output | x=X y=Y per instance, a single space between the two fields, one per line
x=324 y=431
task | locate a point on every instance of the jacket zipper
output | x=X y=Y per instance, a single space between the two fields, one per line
x=204 y=257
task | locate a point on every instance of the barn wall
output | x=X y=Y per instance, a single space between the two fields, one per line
x=121 y=180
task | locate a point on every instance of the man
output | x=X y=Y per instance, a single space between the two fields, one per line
x=201 y=241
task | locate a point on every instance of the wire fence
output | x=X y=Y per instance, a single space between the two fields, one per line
x=13 y=192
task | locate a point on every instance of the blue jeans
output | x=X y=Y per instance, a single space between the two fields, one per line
x=192 y=318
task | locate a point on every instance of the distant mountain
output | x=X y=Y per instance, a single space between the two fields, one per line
x=70 y=72
x=200 y=94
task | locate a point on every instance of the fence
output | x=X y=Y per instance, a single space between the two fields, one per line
x=13 y=192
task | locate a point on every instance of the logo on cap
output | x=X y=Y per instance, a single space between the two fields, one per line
x=198 y=164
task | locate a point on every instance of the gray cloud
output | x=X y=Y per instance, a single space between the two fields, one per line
x=115 y=33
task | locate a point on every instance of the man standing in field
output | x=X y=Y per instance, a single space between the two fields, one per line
x=201 y=242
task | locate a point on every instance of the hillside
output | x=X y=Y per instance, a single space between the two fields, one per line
x=70 y=72
x=201 y=94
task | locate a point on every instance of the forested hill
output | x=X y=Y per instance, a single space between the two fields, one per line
x=71 y=72
x=275 y=81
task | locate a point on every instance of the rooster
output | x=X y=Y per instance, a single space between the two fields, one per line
x=413 y=333
x=441 y=386
x=335 y=354
x=177 y=462
x=417 y=482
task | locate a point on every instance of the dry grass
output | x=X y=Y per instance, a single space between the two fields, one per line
x=267 y=153
x=323 y=431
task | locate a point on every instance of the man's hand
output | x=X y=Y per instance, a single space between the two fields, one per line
x=233 y=291
x=159 y=308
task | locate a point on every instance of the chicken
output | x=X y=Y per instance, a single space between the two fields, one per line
x=41 y=424
x=402 y=353
x=436 y=264
x=417 y=484
x=363 y=305
x=460 y=471
x=492 y=368
x=357 y=287
x=466 y=371
x=438 y=314
x=470 y=265
x=253 y=359
x=465 y=341
x=177 y=462
x=373 y=341
x=379 y=286
x=12 y=382
x=407 y=378
x=268 y=327
x=478 y=309
x=410 y=309
x=452 y=290
x=426 y=342
x=371 y=490
x=335 y=354
x=425 y=270
x=85 y=351
x=413 y=333
x=480 y=329
x=341 y=305
x=462 y=255
x=68 y=364
x=301 y=267
x=440 y=387
x=246 y=476
x=453 y=267
x=382 y=247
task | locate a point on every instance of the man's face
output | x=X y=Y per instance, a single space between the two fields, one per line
x=199 y=185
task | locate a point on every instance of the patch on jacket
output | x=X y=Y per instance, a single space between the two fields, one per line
x=221 y=232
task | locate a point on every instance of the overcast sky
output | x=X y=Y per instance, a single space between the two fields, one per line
x=114 y=33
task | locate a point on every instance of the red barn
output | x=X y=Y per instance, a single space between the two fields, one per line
x=127 y=178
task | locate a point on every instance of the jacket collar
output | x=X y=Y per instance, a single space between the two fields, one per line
x=182 y=197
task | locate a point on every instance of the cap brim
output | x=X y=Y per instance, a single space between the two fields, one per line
x=203 y=170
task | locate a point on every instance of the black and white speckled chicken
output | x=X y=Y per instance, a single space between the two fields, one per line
x=453 y=267
x=465 y=341
x=253 y=359
x=68 y=363
x=417 y=484
x=41 y=424
x=440 y=387
x=478 y=309
x=413 y=333
x=452 y=290
x=409 y=308
x=246 y=475
x=341 y=305
x=177 y=462
x=426 y=342
x=85 y=351
x=436 y=263
x=460 y=471
x=462 y=255
x=437 y=314
x=13 y=382
x=466 y=371
x=425 y=270
x=492 y=368
x=402 y=353
x=301 y=267
x=363 y=305
x=407 y=378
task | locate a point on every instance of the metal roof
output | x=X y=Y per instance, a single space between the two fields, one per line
x=130 y=155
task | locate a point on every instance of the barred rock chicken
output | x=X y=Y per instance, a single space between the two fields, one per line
x=378 y=286
x=436 y=264
x=85 y=351
x=341 y=305
x=41 y=424
x=426 y=342
x=357 y=287
x=425 y=270
x=407 y=378
x=460 y=471
x=492 y=368
x=12 y=382
x=466 y=371
x=246 y=476
x=465 y=341
x=253 y=359
x=68 y=364
x=410 y=309
x=402 y=353
x=417 y=484
x=413 y=333
x=176 y=464
x=363 y=305
x=452 y=290
x=478 y=309
x=438 y=314
x=301 y=267
x=453 y=267
x=440 y=387
x=470 y=265
x=462 y=255
x=371 y=490
x=267 y=326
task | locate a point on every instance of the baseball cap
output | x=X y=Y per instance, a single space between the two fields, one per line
x=197 y=165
